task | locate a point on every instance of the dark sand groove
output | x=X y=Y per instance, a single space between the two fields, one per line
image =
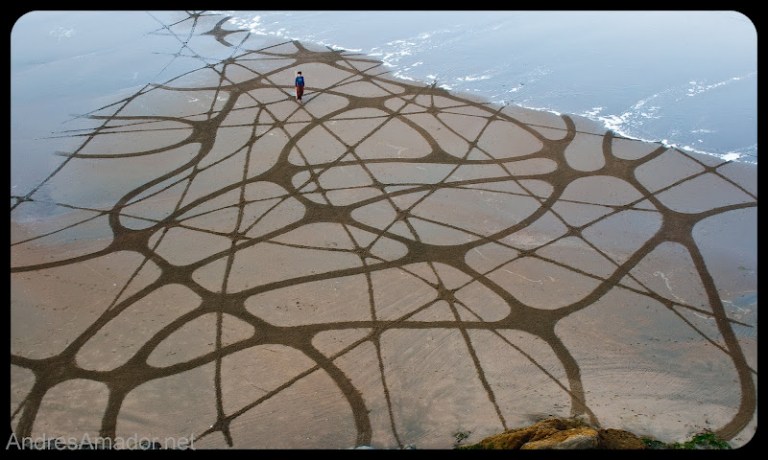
x=415 y=234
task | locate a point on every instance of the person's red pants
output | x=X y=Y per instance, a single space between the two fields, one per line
x=299 y=92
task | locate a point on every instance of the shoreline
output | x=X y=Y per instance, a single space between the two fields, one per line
x=397 y=53
x=410 y=260
x=602 y=124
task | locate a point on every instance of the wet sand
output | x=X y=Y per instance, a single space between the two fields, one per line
x=386 y=264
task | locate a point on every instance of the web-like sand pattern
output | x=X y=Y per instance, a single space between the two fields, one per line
x=385 y=264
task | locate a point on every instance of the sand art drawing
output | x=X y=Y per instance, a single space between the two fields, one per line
x=383 y=265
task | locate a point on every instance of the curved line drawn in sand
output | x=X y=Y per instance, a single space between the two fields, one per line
x=382 y=265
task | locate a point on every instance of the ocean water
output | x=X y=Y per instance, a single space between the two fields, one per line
x=684 y=78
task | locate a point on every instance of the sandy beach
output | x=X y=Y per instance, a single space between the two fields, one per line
x=385 y=264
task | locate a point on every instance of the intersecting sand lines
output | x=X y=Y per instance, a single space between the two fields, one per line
x=382 y=264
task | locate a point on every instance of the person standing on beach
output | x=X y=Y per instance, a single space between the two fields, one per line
x=299 y=86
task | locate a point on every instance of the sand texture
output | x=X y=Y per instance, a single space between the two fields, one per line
x=386 y=264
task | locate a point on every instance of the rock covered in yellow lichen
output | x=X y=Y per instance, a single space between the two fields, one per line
x=558 y=433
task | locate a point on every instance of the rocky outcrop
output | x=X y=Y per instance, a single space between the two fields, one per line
x=559 y=433
x=619 y=439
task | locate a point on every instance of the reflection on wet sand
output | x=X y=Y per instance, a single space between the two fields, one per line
x=383 y=265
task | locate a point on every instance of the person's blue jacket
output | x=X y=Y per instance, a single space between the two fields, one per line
x=300 y=80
